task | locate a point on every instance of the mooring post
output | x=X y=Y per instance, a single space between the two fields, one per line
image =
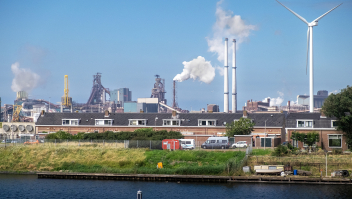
x=139 y=194
x=137 y=143
x=150 y=145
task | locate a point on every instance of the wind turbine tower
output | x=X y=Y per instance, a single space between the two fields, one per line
x=310 y=48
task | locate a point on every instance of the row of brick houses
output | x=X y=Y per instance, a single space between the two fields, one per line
x=275 y=127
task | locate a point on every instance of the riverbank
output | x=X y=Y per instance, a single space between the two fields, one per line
x=197 y=178
x=93 y=159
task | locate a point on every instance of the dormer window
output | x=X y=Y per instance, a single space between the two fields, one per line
x=137 y=122
x=171 y=122
x=70 y=122
x=333 y=123
x=305 y=123
x=103 y=122
x=203 y=122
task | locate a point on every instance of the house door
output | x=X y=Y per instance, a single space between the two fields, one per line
x=267 y=142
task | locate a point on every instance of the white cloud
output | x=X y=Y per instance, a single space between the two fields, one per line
x=220 y=70
x=334 y=92
x=227 y=25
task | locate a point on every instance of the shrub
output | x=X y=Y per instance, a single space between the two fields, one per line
x=280 y=151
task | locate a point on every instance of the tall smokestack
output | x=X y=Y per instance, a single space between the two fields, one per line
x=226 y=80
x=174 y=105
x=234 y=85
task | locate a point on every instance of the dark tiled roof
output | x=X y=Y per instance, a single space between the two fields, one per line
x=291 y=120
x=187 y=119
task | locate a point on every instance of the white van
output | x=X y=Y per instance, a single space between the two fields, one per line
x=216 y=143
x=187 y=144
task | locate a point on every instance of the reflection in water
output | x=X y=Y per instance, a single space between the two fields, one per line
x=28 y=186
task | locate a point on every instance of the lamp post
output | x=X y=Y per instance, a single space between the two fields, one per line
x=156 y=118
x=265 y=133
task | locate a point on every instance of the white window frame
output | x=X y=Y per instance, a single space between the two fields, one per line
x=178 y=122
x=332 y=124
x=334 y=146
x=207 y=122
x=137 y=122
x=72 y=122
x=111 y=121
x=305 y=123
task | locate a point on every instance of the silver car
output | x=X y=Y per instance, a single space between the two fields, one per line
x=240 y=144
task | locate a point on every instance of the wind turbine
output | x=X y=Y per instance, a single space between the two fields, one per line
x=310 y=48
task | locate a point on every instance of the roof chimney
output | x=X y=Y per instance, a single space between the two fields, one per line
x=173 y=113
x=245 y=114
x=106 y=113
x=42 y=113
x=289 y=105
x=141 y=111
x=322 y=115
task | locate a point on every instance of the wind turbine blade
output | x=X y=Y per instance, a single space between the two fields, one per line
x=317 y=19
x=307 y=49
x=297 y=15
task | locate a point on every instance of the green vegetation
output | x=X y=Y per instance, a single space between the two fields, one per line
x=280 y=151
x=243 y=126
x=139 y=134
x=309 y=138
x=340 y=106
x=117 y=160
x=261 y=152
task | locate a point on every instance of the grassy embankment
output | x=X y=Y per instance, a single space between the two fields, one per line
x=90 y=158
x=308 y=162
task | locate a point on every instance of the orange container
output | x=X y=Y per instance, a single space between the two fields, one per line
x=171 y=144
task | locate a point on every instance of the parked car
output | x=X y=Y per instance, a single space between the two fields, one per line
x=240 y=144
x=216 y=143
x=7 y=141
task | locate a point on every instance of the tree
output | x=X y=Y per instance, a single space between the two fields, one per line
x=309 y=138
x=243 y=126
x=340 y=106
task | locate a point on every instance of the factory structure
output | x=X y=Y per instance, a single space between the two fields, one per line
x=100 y=99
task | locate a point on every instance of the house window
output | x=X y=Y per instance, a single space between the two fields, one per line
x=206 y=122
x=70 y=122
x=294 y=143
x=333 y=123
x=305 y=123
x=171 y=122
x=137 y=122
x=335 y=141
x=103 y=122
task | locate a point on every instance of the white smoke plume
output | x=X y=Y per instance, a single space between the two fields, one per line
x=227 y=25
x=24 y=80
x=275 y=101
x=197 y=69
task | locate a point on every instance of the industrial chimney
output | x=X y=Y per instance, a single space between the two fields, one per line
x=234 y=88
x=226 y=80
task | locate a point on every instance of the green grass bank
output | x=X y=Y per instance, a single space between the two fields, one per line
x=94 y=159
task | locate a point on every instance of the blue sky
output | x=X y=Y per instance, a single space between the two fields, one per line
x=131 y=41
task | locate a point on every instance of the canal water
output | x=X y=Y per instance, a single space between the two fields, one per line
x=29 y=186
